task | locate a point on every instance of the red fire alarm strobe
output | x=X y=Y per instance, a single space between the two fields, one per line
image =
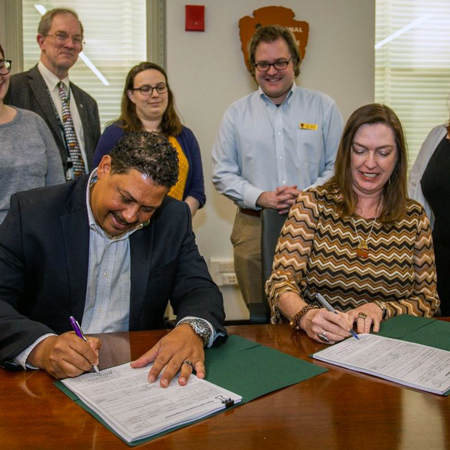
x=195 y=18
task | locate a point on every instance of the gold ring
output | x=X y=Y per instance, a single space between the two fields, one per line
x=362 y=315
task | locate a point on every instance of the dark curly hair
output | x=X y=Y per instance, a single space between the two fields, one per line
x=148 y=153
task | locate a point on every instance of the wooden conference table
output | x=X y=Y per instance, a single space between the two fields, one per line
x=336 y=410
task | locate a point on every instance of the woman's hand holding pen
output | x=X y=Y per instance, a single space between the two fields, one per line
x=66 y=355
x=332 y=326
x=319 y=324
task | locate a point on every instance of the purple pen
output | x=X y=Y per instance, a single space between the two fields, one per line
x=79 y=332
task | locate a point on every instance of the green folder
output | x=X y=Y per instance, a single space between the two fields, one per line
x=431 y=332
x=400 y=326
x=241 y=366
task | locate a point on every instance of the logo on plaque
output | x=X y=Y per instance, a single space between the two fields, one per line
x=272 y=15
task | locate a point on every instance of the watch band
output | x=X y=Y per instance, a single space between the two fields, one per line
x=200 y=327
x=383 y=307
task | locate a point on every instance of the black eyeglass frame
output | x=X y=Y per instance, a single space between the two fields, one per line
x=282 y=65
x=165 y=88
x=8 y=66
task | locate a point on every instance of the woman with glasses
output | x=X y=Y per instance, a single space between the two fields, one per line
x=29 y=157
x=148 y=104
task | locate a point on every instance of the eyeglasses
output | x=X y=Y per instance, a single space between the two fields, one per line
x=147 y=90
x=5 y=66
x=63 y=38
x=279 y=65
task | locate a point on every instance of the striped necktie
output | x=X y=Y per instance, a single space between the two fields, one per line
x=71 y=137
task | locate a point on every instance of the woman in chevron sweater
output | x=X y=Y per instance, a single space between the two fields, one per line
x=357 y=240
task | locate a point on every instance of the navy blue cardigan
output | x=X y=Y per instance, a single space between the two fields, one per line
x=195 y=186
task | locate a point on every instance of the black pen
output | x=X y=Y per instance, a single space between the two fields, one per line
x=326 y=305
x=79 y=332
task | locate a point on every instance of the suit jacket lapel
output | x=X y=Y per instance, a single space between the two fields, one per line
x=76 y=242
x=40 y=91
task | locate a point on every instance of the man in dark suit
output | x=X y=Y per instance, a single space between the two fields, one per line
x=109 y=249
x=60 y=38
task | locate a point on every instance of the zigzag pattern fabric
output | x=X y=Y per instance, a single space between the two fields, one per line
x=70 y=135
x=316 y=253
x=177 y=191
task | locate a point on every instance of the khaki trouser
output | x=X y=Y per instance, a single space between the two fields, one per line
x=246 y=240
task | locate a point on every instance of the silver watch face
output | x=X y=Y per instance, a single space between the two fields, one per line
x=200 y=328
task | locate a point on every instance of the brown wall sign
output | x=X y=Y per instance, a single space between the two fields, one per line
x=272 y=15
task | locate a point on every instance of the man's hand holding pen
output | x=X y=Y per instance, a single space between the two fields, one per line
x=66 y=355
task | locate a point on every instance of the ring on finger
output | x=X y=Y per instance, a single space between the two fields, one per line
x=189 y=363
x=323 y=337
x=362 y=315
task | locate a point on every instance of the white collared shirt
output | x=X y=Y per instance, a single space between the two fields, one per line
x=52 y=81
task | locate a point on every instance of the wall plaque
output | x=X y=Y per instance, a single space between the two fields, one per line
x=272 y=15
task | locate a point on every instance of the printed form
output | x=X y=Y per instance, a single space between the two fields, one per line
x=414 y=365
x=135 y=409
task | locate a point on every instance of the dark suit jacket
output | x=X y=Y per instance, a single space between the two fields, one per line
x=28 y=90
x=44 y=254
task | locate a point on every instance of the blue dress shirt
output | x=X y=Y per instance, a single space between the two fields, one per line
x=261 y=146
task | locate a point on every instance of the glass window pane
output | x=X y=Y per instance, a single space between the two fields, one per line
x=115 y=36
x=412 y=72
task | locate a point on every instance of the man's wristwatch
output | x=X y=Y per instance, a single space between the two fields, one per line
x=200 y=327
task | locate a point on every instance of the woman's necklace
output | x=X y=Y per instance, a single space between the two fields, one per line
x=362 y=251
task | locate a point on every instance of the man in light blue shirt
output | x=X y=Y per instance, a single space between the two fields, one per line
x=272 y=144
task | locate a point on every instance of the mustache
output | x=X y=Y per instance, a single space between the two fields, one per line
x=122 y=221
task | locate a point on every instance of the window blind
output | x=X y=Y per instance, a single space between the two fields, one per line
x=116 y=39
x=412 y=72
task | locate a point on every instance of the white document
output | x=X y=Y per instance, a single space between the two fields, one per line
x=135 y=409
x=414 y=365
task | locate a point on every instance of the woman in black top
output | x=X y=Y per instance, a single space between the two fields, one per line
x=430 y=185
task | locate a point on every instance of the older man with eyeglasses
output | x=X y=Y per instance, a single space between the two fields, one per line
x=272 y=144
x=70 y=113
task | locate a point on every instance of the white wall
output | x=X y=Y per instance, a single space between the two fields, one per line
x=207 y=73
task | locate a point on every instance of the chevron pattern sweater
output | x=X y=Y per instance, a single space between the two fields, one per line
x=316 y=252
